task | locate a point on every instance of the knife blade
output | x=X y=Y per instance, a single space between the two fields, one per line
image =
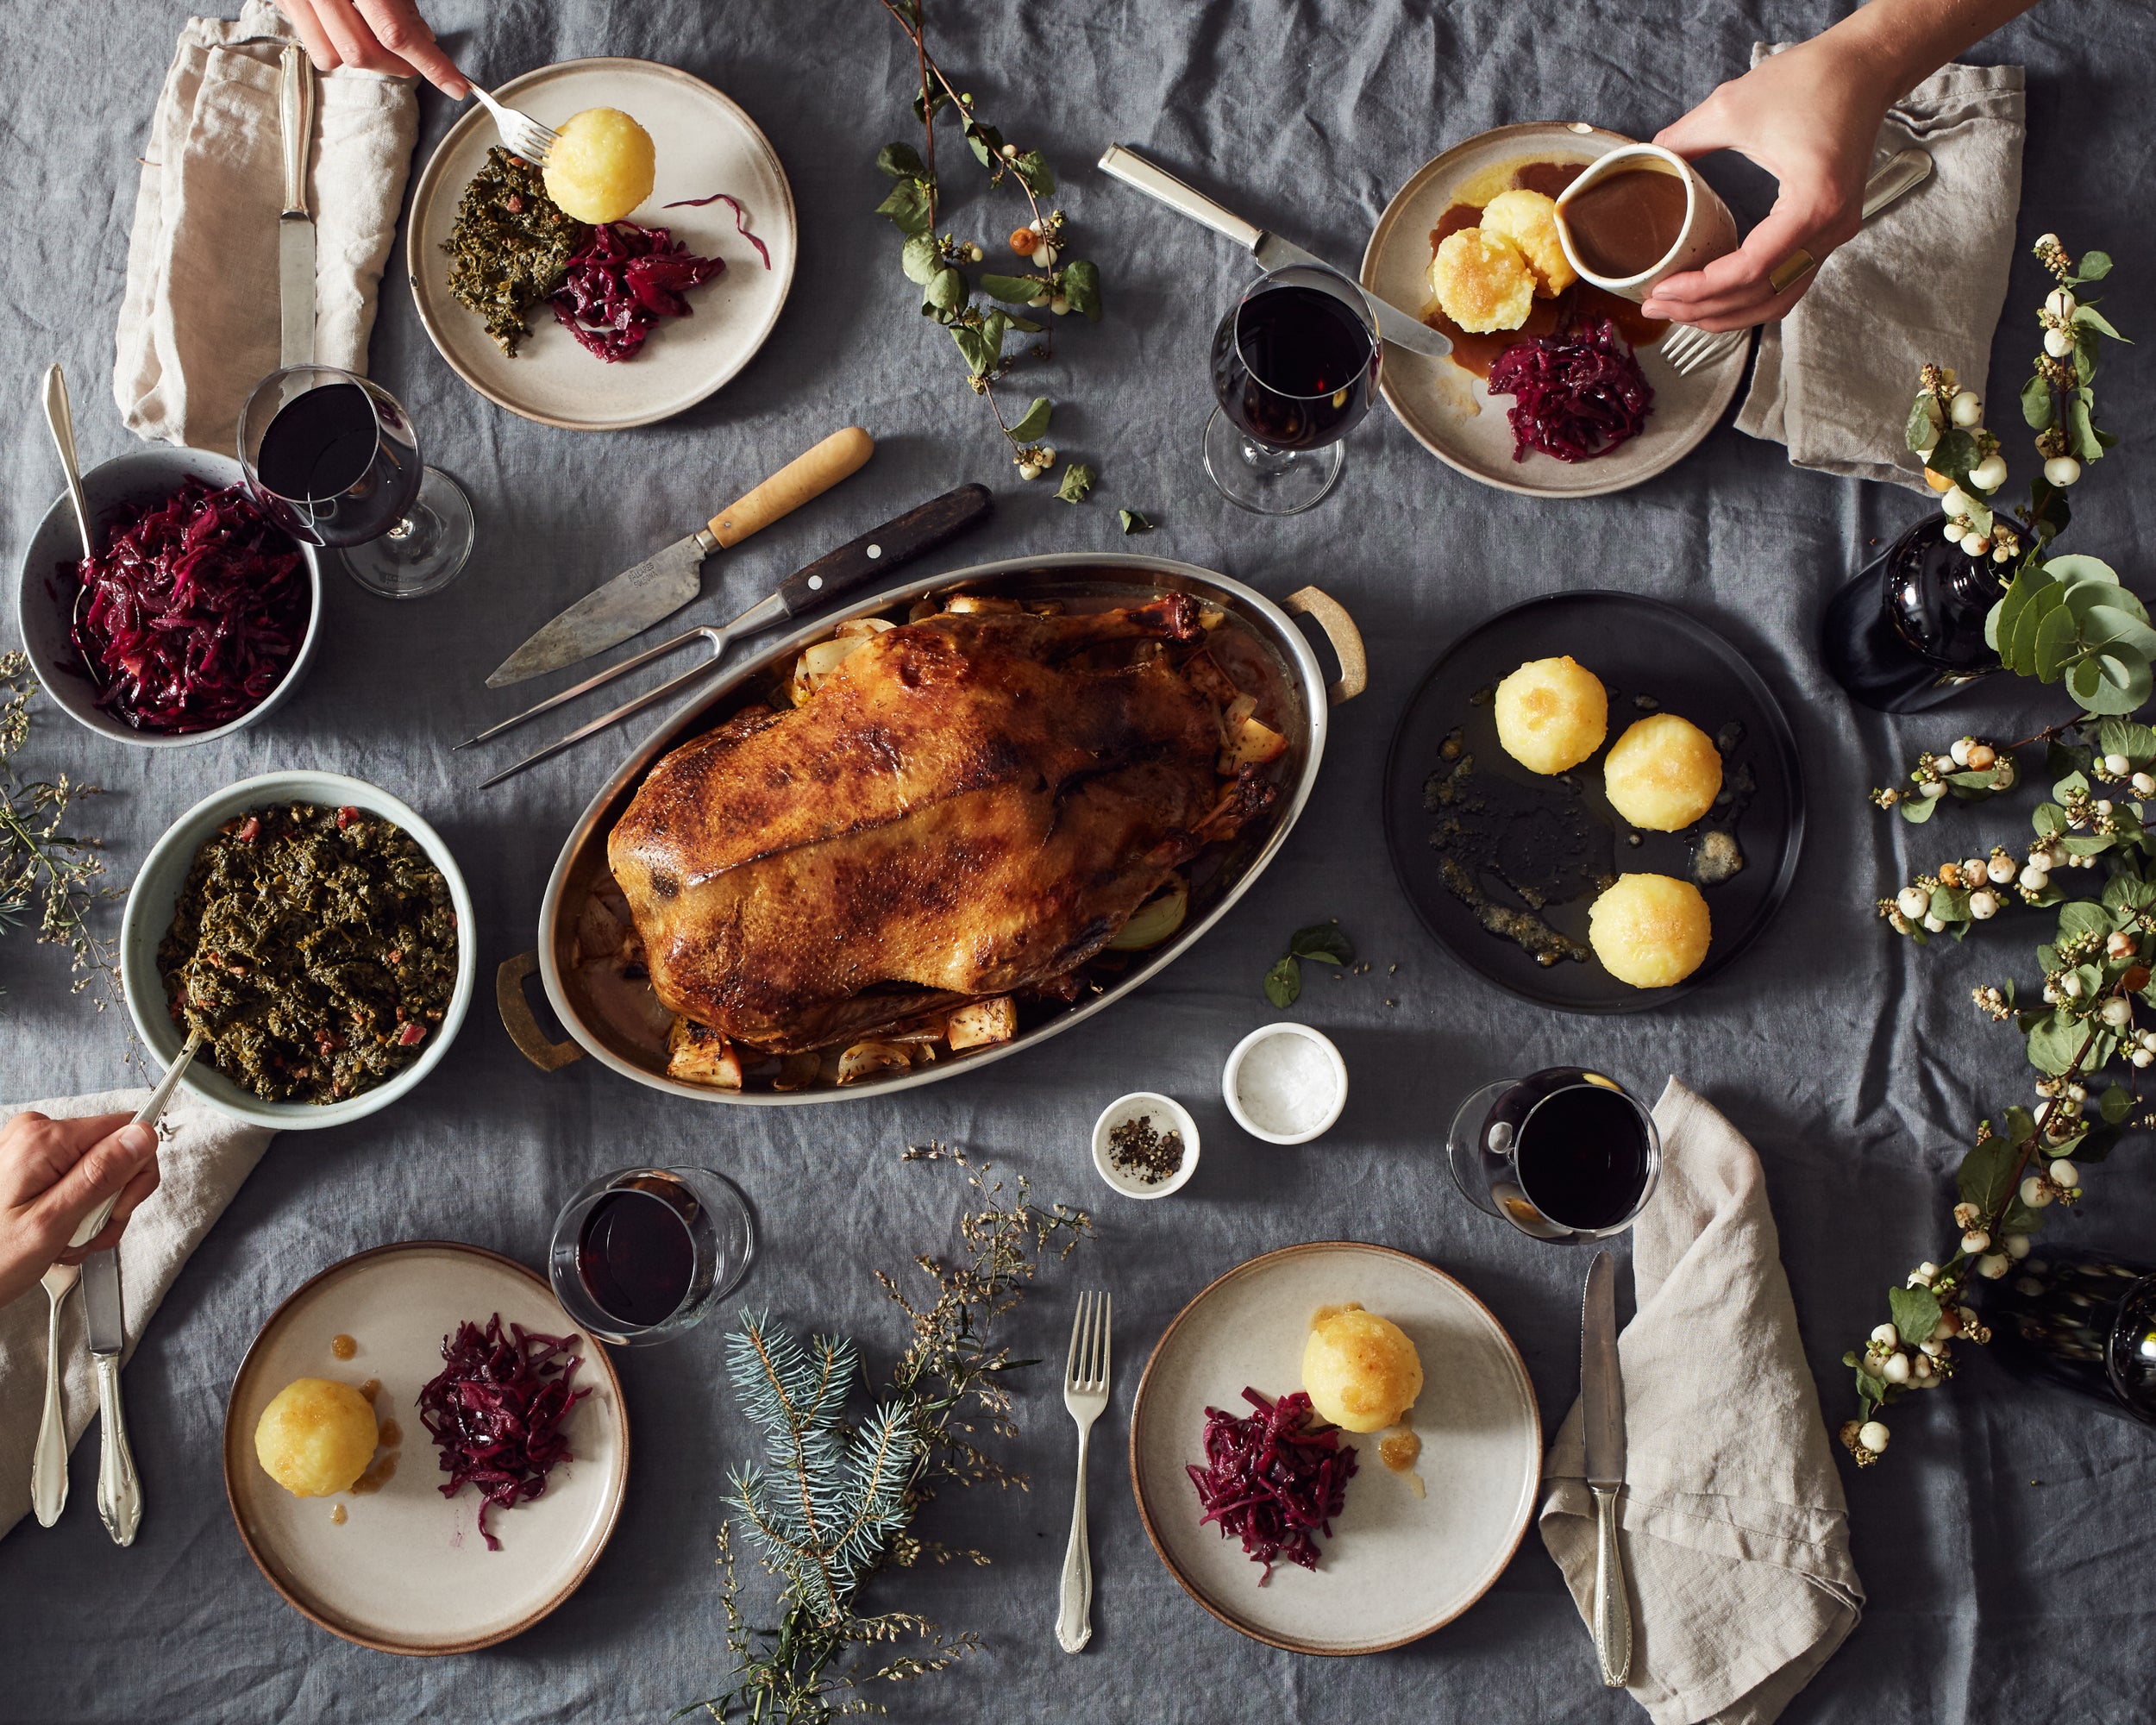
x=1402 y=328
x=119 y=1487
x=1602 y=1430
x=660 y=585
x=101 y=1301
x=295 y=226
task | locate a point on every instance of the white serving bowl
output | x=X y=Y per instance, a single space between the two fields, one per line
x=43 y=616
x=1252 y=1046
x=149 y=914
x=1168 y=1115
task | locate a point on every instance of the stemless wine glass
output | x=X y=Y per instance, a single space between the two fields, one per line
x=333 y=459
x=641 y=1254
x=1294 y=364
x=1564 y=1154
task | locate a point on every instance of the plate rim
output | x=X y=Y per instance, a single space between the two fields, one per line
x=343 y=1632
x=1520 y=1370
x=1388 y=217
x=428 y=188
x=1649 y=999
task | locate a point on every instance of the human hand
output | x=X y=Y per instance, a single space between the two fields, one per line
x=1810 y=117
x=375 y=35
x=54 y=1173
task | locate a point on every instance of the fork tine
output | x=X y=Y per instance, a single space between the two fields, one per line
x=1077 y=1335
x=1107 y=1304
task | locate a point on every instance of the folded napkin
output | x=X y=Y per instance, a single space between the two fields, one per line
x=1736 y=1536
x=199 y=325
x=1925 y=279
x=204 y=1158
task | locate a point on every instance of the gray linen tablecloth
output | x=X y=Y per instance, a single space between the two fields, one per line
x=2006 y=1547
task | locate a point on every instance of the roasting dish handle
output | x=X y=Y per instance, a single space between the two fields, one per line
x=532 y=1042
x=1340 y=629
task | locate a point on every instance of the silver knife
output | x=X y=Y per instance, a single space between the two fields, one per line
x=295 y=226
x=1402 y=328
x=663 y=584
x=1602 y=1424
x=119 y=1488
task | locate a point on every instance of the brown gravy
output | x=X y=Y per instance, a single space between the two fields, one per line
x=343 y=1346
x=338 y=1516
x=377 y=1475
x=1626 y=223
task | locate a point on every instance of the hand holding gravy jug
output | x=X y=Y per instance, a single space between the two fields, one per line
x=1637 y=214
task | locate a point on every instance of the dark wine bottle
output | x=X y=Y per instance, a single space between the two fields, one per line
x=1906 y=632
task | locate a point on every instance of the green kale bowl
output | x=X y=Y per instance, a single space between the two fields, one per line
x=154 y=900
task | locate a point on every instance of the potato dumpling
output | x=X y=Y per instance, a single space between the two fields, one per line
x=1662 y=774
x=1552 y=714
x=316 y=1437
x=1481 y=280
x=1649 y=930
x=1360 y=1372
x=1529 y=219
x=601 y=166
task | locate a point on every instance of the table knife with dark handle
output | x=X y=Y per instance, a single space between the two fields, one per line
x=1603 y=1425
x=119 y=1487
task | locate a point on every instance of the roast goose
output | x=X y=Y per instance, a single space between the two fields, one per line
x=965 y=810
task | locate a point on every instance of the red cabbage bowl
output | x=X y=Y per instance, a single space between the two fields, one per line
x=45 y=594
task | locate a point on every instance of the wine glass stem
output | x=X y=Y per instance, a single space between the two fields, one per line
x=1263 y=458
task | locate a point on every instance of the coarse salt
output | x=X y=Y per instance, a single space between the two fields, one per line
x=1286 y=1084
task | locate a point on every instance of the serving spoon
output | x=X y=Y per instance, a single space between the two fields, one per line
x=62 y=420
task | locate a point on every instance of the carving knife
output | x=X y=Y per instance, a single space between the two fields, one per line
x=1603 y=1425
x=295 y=226
x=1402 y=328
x=664 y=582
x=119 y=1488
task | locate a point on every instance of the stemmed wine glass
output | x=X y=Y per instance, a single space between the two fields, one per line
x=1294 y=364
x=332 y=460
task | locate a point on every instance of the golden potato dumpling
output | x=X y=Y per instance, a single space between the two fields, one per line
x=1481 y=280
x=1552 y=714
x=316 y=1437
x=1360 y=1371
x=1649 y=930
x=1529 y=219
x=1662 y=774
x=601 y=166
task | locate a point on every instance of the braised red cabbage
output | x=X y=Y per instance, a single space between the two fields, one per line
x=496 y=1412
x=741 y=218
x=1272 y=1480
x=622 y=281
x=193 y=611
x=1577 y=394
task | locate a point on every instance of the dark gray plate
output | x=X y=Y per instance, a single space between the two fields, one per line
x=1553 y=836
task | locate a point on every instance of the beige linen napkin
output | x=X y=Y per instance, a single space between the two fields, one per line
x=1925 y=281
x=199 y=324
x=1736 y=1536
x=204 y=1158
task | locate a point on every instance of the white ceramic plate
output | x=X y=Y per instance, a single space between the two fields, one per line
x=705 y=143
x=1397 y=1566
x=1448 y=410
x=408 y=1573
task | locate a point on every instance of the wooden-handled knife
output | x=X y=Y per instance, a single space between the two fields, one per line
x=663 y=584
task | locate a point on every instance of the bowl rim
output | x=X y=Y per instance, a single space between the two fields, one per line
x=1182 y=1123
x=142 y=984
x=1265 y=1033
x=180 y=463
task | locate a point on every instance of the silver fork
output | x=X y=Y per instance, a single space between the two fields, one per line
x=1086 y=1394
x=1687 y=349
x=524 y=135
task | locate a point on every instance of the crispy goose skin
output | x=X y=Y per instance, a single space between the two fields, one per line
x=970 y=806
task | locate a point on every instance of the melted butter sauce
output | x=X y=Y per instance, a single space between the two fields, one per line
x=1400 y=1451
x=343 y=1346
x=337 y=1516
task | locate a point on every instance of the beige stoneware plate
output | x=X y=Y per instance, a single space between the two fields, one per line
x=1448 y=410
x=705 y=143
x=1397 y=1566
x=408 y=1573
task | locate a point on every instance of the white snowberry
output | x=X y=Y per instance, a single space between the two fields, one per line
x=1887 y=1336
x=2036 y=1193
x=1896 y=1369
x=1973 y=872
x=2016 y=1245
x=2057 y=343
x=2060 y=302
x=2070 y=986
x=2117 y=766
x=1960 y=750
x=1990 y=473
x=1912 y=901
x=1975 y=1241
x=2063 y=1173
x=2117 y=1014
x=2061 y=471
x=1991 y=1266
x=1873 y=1436
x=2142 y=1057
x=1983 y=905
x=2102 y=805
x=1967 y=408
x=2144 y=785
x=2119 y=944
x=1931 y=791
x=2002 y=869
x=1920 y=1367
x=1935 y=924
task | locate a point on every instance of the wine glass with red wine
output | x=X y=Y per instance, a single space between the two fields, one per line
x=1294 y=364
x=332 y=460
x=1564 y=1154
x=640 y=1255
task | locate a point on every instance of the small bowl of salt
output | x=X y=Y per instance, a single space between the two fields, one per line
x=1285 y=1083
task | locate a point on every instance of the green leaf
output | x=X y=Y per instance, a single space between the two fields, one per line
x=1077 y=481
x=1081 y=290
x=2020 y=654
x=2020 y=1124
x=1025 y=323
x=2115 y=1104
x=1322 y=940
x=2082 y=916
x=1033 y=174
x=1012 y=289
x=1283 y=983
x=2081 y=436
x=2093 y=267
x=2019 y=1219
x=2130 y=690
x=2048 y=820
x=2036 y=404
x=920 y=258
x=1996 y=619
x=946 y=290
x=981 y=358
x=2088 y=317
x=2058 y=642
x=2053 y=1043
x=2110 y=626
x=1918 y=810
x=1920 y=432
x=908 y=206
x=901 y=162
x=1133 y=522
x=2084 y=682
x=1033 y=426
x=987 y=142
x=1916 y=1314
x=1957 y=453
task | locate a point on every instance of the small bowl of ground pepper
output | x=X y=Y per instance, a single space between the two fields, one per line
x=1145 y=1144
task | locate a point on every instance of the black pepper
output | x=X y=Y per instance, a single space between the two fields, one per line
x=1136 y=1150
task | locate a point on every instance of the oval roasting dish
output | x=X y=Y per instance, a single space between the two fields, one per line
x=1219 y=880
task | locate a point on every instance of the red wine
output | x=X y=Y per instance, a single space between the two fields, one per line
x=635 y=1256
x=1294 y=367
x=1907 y=631
x=320 y=444
x=1579 y=1148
